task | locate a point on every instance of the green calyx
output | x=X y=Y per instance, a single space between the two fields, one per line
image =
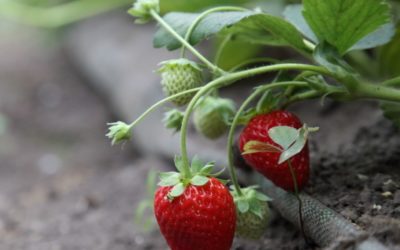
x=212 y=116
x=181 y=63
x=118 y=132
x=142 y=10
x=200 y=174
x=250 y=201
x=173 y=119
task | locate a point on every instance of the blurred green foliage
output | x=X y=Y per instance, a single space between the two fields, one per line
x=57 y=13
x=195 y=5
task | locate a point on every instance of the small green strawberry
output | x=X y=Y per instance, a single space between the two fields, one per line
x=178 y=75
x=118 y=132
x=252 y=213
x=142 y=10
x=211 y=116
x=173 y=119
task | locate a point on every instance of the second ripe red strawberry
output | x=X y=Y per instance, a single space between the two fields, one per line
x=267 y=162
x=202 y=218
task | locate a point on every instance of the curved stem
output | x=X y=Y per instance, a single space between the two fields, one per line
x=252 y=61
x=159 y=103
x=201 y=16
x=166 y=26
x=221 y=49
x=235 y=121
x=304 y=74
x=392 y=82
x=296 y=193
x=311 y=46
x=310 y=94
x=229 y=149
x=229 y=79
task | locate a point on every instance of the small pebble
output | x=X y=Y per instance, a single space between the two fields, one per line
x=362 y=177
x=377 y=207
x=386 y=194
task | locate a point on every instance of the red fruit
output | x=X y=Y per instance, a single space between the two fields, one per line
x=202 y=218
x=267 y=162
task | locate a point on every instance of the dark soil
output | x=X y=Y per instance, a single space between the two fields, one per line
x=362 y=182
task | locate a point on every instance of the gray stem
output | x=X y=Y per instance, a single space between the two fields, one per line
x=323 y=225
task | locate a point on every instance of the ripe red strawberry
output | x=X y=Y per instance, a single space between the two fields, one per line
x=267 y=162
x=202 y=218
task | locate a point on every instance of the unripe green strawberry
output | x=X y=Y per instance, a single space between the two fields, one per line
x=251 y=226
x=252 y=213
x=179 y=75
x=211 y=116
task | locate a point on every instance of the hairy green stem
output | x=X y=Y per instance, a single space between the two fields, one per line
x=56 y=16
x=377 y=91
x=253 y=61
x=311 y=46
x=229 y=79
x=392 y=82
x=229 y=149
x=159 y=103
x=185 y=43
x=296 y=193
x=235 y=121
x=203 y=15
x=302 y=75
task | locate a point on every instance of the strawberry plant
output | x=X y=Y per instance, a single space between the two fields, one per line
x=340 y=41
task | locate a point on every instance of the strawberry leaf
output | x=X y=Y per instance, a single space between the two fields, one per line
x=199 y=180
x=252 y=147
x=251 y=26
x=284 y=136
x=293 y=13
x=343 y=23
x=298 y=144
x=177 y=190
x=329 y=57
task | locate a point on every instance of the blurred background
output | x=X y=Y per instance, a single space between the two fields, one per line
x=66 y=69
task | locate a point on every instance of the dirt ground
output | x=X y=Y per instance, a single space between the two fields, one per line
x=62 y=186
